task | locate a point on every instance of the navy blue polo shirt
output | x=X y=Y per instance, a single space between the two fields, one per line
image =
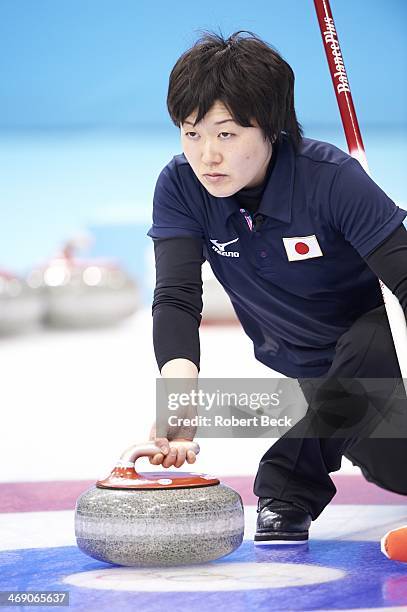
x=298 y=281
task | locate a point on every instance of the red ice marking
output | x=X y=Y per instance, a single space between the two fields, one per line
x=301 y=248
x=62 y=495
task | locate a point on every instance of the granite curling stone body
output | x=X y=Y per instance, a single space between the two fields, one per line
x=158 y=518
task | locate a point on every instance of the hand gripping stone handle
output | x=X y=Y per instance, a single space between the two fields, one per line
x=148 y=449
x=124 y=475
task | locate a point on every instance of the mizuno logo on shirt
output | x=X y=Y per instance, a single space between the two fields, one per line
x=219 y=248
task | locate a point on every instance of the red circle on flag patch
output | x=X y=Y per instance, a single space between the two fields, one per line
x=302 y=248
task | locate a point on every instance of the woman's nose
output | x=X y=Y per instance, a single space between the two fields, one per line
x=210 y=154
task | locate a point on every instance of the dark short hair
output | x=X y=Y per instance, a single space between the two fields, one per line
x=243 y=72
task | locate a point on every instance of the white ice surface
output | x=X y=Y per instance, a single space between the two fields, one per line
x=337 y=522
x=72 y=401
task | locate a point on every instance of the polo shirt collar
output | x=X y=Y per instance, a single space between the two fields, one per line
x=276 y=201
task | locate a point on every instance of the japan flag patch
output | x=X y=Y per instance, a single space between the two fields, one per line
x=302 y=247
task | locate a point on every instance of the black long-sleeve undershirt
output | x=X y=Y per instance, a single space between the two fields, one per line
x=177 y=302
x=389 y=262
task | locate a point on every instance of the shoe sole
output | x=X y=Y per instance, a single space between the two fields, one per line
x=280 y=539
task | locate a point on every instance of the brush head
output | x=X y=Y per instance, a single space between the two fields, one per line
x=394 y=544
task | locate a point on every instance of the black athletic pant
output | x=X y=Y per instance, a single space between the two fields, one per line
x=297 y=468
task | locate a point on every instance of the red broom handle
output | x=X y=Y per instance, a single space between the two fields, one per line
x=356 y=149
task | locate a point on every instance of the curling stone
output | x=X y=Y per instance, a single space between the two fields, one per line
x=158 y=518
x=21 y=306
x=82 y=293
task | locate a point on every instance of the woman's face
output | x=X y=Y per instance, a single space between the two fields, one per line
x=235 y=156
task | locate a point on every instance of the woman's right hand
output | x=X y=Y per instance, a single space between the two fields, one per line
x=174 y=452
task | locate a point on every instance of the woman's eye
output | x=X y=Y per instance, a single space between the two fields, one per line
x=195 y=135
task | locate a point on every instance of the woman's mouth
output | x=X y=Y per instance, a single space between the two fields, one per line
x=214 y=178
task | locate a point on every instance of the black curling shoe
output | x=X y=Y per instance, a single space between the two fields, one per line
x=280 y=522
